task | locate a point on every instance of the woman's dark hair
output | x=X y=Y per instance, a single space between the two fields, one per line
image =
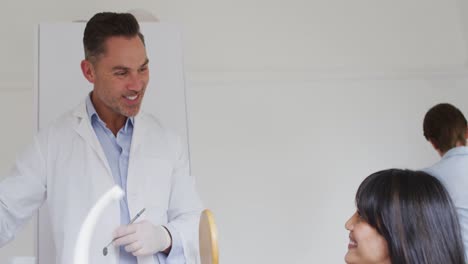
x=105 y=25
x=414 y=213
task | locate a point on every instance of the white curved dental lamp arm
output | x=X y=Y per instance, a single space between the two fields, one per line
x=87 y=228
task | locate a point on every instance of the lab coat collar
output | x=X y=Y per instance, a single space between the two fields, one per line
x=84 y=129
x=93 y=115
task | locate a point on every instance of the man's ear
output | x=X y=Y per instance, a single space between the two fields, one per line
x=87 y=69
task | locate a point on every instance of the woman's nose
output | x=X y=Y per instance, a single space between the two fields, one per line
x=350 y=223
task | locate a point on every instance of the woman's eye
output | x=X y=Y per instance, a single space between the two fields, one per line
x=359 y=215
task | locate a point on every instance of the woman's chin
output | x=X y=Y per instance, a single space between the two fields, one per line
x=350 y=257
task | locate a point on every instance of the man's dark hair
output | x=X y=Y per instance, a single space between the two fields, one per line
x=415 y=214
x=445 y=126
x=105 y=25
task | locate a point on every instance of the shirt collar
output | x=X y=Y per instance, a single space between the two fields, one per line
x=93 y=115
x=462 y=150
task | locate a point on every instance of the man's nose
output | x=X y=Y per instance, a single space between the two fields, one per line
x=136 y=82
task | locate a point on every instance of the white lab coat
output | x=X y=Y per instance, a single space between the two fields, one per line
x=66 y=167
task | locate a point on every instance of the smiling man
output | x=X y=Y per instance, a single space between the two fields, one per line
x=120 y=74
x=106 y=141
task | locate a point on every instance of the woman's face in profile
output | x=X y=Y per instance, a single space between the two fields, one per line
x=366 y=245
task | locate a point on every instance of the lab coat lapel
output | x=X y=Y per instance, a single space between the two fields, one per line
x=85 y=130
x=134 y=179
x=101 y=183
x=139 y=129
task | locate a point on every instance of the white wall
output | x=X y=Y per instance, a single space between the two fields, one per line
x=281 y=168
x=291 y=105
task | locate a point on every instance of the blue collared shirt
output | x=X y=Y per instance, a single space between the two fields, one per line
x=117 y=151
x=452 y=171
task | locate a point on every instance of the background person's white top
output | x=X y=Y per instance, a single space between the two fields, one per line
x=452 y=171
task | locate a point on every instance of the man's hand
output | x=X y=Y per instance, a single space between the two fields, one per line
x=143 y=238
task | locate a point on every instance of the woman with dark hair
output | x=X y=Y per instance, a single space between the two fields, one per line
x=404 y=217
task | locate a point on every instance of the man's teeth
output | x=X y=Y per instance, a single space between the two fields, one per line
x=131 y=97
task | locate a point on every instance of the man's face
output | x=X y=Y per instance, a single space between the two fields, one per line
x=120 y=77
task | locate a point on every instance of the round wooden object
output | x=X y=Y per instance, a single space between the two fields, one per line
x=208 y=238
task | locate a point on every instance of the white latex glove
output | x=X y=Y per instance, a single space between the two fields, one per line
x=142 y=238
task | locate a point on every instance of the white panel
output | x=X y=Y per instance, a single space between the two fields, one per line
x=61 y=86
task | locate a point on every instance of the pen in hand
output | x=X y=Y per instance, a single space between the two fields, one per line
x=104 y=250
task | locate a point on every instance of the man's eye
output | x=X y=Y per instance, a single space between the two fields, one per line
x=120 y=73
x=143 y=69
